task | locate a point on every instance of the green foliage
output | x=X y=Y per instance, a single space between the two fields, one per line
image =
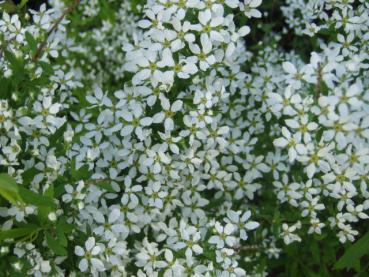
x=25 y=231
x=9 y=189
x=14 y=193
x=351 y=258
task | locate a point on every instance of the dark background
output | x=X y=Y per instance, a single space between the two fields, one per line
x=33 y=4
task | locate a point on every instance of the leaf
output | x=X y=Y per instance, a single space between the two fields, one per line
x=36 y=199
x=32 y=43
x=8 y=6
x=22 y=4
x=81 y=173
x=57 y=135
x=9 y=188
x=64 y=225
x=276 y=222
x=55 y=246
x=62 y=238
x=209 y=254
x=18 y=232
x=315 y=251
x=47 y=68
x=16 y=63
x=353 y=254
x=29 y=174
x=106 y=185
x=44 y=211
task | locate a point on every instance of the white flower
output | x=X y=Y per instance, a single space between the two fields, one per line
x=293 y=143
x=204 y=56
x=111 y=227
x=288 y=233
x=209 y=24
x=190 y=239
x=242 y=223
x=248 y=7
x=310 y=205
x=89 y=256
x=168 y=112
x=224 y=235
x=148 y=256
x=153 y=190
x=134 y=121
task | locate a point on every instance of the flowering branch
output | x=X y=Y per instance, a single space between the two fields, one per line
x=53 y=28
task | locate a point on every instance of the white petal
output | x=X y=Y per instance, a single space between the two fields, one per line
x=177 y=105
x=90 y=243
x=280 y=142
x=252 y=225
x=79 y=251
x=83 y=265
x=114 y=215
x=96 y=263
x=146 y=121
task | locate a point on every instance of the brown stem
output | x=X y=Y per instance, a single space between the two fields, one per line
x=97 y=181
x=53 y=28
x=318 y=82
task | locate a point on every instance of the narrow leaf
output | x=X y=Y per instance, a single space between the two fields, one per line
x=9 y=188
x=36 y=199
x=353 y=254
x=55 y=246
x=18 y=232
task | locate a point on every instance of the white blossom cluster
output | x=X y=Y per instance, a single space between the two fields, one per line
x=171 y=146
x=323 y=106
x=172 y=149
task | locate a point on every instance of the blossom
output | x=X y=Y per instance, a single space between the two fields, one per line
x=89 y=255
x=224 y=235
x=203 y=56
x=295 y=147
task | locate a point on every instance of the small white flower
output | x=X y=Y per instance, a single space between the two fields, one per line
x=89 y=256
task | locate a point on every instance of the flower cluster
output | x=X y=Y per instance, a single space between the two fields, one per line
x=150 y=138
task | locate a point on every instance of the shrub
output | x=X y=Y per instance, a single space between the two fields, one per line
x=184 y=138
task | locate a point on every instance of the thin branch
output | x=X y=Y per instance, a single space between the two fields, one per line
x=97 y=181
x=53 y=28
x=318 y=82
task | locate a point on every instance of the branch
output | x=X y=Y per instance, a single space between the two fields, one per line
x=318 y=82
x=53 y=28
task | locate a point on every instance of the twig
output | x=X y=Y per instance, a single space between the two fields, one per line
x=97 y=181
x=318 y=82
x=53 y=28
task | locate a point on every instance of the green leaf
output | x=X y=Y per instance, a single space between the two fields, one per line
x=22 y=4
x=315 y=251
x=64 y=225
x=19 y=232
x=44 y=211
x=209 y=254
x=29 y=174
x=8 y=6
x=81 y=173
x=47 y=68
x=9 y=188
x=352 y=255
x=36 y=199
x=276 y=222
x=106 y=185
x=32 y=43
x=17 y=64
x=55 y=246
